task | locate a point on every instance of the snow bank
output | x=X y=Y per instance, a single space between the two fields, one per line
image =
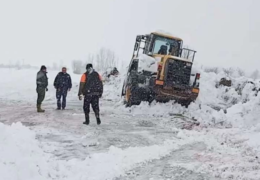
x=229 y=154
x=21 y=157
x=117 y=161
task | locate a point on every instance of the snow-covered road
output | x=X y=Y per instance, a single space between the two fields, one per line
x=163 y=141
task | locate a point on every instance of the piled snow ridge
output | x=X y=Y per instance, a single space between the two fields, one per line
x=20 y=154
x=21 y=157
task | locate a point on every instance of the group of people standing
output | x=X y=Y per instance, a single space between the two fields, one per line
x=90 y=87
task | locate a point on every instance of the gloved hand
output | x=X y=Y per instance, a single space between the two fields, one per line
x=100 y=95
x=68 y=89
x=46 y=89
x=80 y=97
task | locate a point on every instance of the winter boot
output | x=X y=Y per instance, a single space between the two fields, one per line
x=98 y=118
x=86 y=119
x=98 y=121
x=39 y=109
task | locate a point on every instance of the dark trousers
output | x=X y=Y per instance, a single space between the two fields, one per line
x=41 y=95
x=94 y=101
x=61 y=94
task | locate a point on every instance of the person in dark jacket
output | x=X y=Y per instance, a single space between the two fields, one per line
x=42 y=84
x=91 y=87
x=114 y=72
x=62 y=84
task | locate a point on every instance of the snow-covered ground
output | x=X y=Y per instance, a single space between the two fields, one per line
x=215 y=138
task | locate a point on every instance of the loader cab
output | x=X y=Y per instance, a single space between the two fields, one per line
x=163 y=45
x=158 y=45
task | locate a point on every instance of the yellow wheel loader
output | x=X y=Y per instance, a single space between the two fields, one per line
x=160 y=69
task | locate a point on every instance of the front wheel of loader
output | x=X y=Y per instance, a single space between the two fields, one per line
x=127 y=97
x=122 y=93
x=131 y=97
x=186 y=104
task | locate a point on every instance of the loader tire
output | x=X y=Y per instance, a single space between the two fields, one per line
x=122 y=93
x=132 y=97
x=186 y=104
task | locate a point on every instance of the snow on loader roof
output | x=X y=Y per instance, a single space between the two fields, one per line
x=165 y=34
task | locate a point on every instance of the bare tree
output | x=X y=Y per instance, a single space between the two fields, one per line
x=212 y=69
x=240 y=72
x=106 y=58
x=228 y=71
x=91 y=59
x=102 y=60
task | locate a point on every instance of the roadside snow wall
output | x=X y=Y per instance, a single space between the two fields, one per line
x=22 y=158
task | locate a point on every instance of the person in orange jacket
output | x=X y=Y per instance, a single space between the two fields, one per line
x=91 y=87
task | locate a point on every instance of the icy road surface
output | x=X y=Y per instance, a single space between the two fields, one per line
x=160 y=142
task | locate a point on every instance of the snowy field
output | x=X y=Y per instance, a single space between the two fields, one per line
x=215 y=138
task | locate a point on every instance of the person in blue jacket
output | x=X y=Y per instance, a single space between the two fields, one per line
x=62 y=84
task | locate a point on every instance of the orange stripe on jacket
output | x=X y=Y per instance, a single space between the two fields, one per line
x=100 y=77
x=84 y=77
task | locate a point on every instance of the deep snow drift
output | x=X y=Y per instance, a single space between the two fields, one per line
x=229 y=130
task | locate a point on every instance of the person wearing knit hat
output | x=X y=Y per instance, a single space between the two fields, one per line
x=91 y=87
x=43 y=68
x=42 y=84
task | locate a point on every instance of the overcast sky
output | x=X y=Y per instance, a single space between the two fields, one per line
x=224 y=32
